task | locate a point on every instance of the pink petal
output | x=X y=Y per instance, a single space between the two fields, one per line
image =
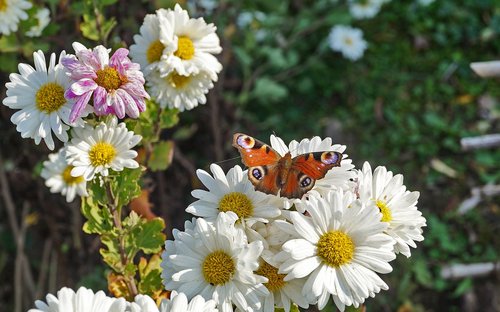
x=83 y=86
x=118 y=106
x=129 y=103
x=79 y=106
x=100 y=98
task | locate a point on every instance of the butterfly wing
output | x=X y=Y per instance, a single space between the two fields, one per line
x=261 y=160
x=306 y=169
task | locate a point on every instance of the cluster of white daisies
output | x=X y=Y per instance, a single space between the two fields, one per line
x=257 y=251
x=249 y=251
x=177 y=56
x=173 y=54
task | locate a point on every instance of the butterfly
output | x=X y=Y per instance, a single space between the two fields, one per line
x=291 y=177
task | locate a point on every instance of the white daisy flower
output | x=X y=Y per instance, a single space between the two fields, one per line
x=178 y=302
x=57 y=174
x=43 y=18
x=11 y=12
x=151 y=43
x=195 y=43
x=341 y=247
x=177 y=91
x=337 y=177
x=216 y=262
x=386 y=193
x=39 y=94
x=347 y=40
x=232 y=192
x=361 y=9
x=96 y=150
x=84 y=300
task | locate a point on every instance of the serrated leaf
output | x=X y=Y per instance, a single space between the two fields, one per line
x=99 y=219
x=125 y=186
x=148 y=236
x=161 y=156
x=150 y=275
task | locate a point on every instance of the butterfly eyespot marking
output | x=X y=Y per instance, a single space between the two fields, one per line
x=329 y=158
x=305 y=181
x=257 y=173
x=245 y=141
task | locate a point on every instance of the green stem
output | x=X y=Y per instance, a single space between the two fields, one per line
x=116 y=212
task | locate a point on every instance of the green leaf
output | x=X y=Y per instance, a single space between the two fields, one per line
x=463 y=287
x=111 y=254
x=89 y=27
x=148 y=236
x=162 y=155
x=125 y=186
x=150 y=275
x=169 y=118
x=99 y=219
x=270 y=90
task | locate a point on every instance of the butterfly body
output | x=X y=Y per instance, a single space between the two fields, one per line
x=272 y=173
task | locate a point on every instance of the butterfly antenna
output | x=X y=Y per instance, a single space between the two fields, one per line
x=227 y=160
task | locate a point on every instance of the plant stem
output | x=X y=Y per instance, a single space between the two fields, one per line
x=116 y=212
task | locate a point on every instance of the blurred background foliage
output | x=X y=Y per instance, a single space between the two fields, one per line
x=406 y=104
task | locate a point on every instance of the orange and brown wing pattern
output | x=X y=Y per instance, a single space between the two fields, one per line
x=254 y=152
x=306 y=169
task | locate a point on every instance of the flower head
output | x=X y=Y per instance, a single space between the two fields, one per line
x=151 y=43
x=385 y=192
x=11 y=12
x=57 y=174
x=84 y=300
x=95 y=150
x=116 y=84
x=347 y=40
x=195 y=43
x=38 y=93
x=232 y=192
x=216 y=262
x=341 y=247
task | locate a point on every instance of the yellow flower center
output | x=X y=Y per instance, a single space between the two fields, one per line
x=178 y=81
x=238 y=203
x=154 y=52
x=109 y=78
x=101 y=154
x=185 y=48
x=335 y=248
x=3 y=5
x=68 y=178
x=50 y=97
x=276 y=281
x=218 y=268
x=348 y=41
x=385 y=210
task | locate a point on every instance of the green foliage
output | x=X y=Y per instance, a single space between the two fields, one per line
x=162 y=155
x=152 y=121
x=150 y=275
x=125 y=186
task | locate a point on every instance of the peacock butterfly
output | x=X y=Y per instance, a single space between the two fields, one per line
x=291 y=177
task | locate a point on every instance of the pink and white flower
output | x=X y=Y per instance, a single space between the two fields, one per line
x=116 y=84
